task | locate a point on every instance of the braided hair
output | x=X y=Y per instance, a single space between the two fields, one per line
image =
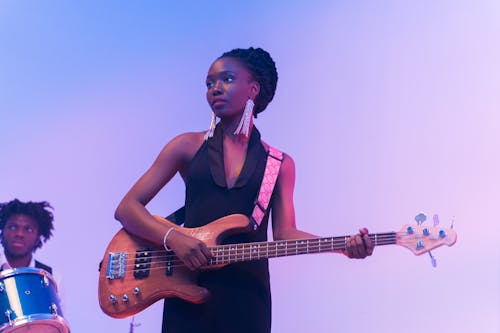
x=39 y=211
x=263 y=69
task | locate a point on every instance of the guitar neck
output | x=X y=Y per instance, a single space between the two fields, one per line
x=231 y=253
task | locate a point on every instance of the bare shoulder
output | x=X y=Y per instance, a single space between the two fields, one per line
x=189 y=138
x=178 y=153
x=287 y=165
x=185 y=145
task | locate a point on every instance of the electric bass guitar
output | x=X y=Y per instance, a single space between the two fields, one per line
x=135 y=273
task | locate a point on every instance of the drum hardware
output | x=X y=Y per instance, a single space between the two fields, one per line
x=8 y=313
x=45 y=281
x=53 y=308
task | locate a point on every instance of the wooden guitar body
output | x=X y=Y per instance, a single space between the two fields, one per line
x=135 y=273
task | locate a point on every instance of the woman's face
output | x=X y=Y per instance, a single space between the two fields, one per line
x=229 y=86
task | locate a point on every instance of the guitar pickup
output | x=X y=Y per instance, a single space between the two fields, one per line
x=142 y=264
x=116 y=265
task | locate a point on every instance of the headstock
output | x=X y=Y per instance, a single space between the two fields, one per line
x=421 y=239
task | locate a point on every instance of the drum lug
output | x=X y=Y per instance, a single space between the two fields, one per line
x=53 y=308
x=8 y=314
x=2 y=287
x=45 y=281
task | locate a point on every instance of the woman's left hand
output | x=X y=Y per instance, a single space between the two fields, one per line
x=359 y=246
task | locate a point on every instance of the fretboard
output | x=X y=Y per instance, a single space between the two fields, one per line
x=231 y=253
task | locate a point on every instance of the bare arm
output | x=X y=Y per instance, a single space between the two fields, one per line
x=131 y=211
x=136 y=219
x=283 y=215
x=283 y=211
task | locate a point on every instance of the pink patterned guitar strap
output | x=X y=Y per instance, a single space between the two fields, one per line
x=273 y=164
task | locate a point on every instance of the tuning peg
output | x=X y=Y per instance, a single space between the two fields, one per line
x=435 y=219
x=420 y=218
x=433 y=260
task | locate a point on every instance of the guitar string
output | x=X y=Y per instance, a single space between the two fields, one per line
x=175 y=262
x=226 y=258
x=261 y=247
x=237 y=253
x=230 y=253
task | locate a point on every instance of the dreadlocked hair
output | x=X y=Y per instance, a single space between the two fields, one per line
x=263 y=69
x=39 y=211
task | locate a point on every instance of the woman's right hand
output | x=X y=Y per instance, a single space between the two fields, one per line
x=192 y=251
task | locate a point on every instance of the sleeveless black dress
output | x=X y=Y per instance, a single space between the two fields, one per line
x=240 y=293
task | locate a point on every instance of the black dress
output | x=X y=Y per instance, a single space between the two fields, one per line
x=240 y=293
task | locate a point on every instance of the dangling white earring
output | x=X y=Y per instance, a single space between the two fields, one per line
x=210 y=132
x=244 y=125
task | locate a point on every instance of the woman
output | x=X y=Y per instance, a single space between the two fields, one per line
x=223 y=170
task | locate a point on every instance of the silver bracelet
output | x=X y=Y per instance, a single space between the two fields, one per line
x=165 y=239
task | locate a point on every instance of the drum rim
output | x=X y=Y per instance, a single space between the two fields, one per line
x=37 y=317
x=25 y=270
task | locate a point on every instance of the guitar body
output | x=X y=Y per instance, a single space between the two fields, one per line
x=133 y=274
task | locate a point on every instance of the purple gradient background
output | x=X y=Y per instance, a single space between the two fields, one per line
x=389 y=108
